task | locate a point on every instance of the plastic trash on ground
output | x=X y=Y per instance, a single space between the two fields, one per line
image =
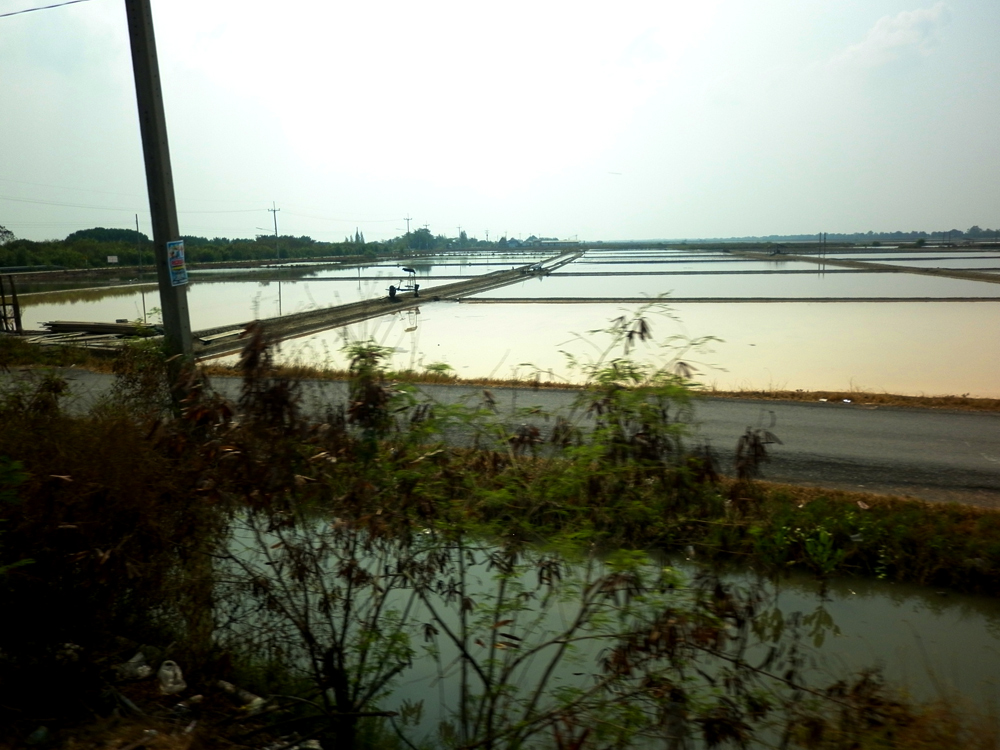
x=40 y=736
x=171 y=678
x=252 y=704
x=135 y=668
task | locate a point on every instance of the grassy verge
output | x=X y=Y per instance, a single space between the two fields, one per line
x=16 y=352
x=769 y=526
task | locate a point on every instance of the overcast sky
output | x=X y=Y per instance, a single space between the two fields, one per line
x=662 y=119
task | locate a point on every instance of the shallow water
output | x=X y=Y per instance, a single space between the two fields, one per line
x=903 y=347
x=652 y=256
x=930 y=642
x=211 y=304
x=910 y=254
x=676 y=265
x=734 y=285
x=967 y=263
x=394 y=273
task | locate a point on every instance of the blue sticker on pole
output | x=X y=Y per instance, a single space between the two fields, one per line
x=175 y=261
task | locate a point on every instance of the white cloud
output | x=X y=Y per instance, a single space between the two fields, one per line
x=912 y=32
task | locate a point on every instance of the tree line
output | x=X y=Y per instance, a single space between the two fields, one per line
x=91 y=248
x=913 y=235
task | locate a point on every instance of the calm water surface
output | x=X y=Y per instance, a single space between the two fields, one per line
x=721 y=263
x=902 y=347
x=835 y=285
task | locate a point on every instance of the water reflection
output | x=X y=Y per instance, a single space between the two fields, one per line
x=833 y=285
x=672 y=266
x=928 y=641
x=903 y=347
x=460 y=623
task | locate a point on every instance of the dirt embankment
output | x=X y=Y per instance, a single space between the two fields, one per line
x=950 y=273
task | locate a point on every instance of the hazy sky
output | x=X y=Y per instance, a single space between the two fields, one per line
x=702 y=118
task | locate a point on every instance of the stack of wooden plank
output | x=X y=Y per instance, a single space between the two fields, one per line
x=116 y=329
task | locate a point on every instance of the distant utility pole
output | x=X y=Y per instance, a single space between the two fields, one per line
x=408 y=220
x=138 y=245
x=274 y=211
x=159 y=180
x=487 y=235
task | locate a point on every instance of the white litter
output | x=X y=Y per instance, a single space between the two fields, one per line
x=171 y=679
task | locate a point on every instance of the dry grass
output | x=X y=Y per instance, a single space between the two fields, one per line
x=804 y=494
x=863 y=398
x=132 y=735
x=304 y=372
x=943 y=724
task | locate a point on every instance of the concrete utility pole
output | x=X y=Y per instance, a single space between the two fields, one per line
x=274 y=211
x=159 y=178
x=407 y=220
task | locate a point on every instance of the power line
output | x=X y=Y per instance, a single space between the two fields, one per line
x=43 y=7
x=187 y=199
x=348 y=221
x=64 y=187
x=130 y=210
x=65 y=205
x=227 y=211
x=195 y=200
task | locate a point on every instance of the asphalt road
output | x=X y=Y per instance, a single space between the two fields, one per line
x=935 y=454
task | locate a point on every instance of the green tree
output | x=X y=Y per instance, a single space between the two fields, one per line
x=421 y=239
x=100 y=234
x=6 y=235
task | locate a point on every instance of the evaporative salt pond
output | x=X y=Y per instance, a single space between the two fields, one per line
x=910 y=347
